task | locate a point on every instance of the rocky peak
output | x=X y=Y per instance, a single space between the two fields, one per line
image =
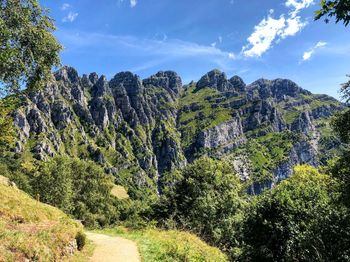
x=129 y=81
x=168 y=80
x=85 y=81
x=285 y=87
x=214 y=79
x=93 y=77
x=238 y=83
x=278 y=88
x=101 y=87
x=67 y=74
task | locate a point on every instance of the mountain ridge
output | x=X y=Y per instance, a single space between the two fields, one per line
x=140 y=130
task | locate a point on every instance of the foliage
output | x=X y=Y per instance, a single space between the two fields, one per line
x=173 y=246
x=28 y=48
x=345 y=90
x=32 y=230
x=294 y=221
x=341 y=125
x=340 y=9
x=78 y=187
x=53 y=184
x=81 y=240
x=7 y=130
x=340 y=169
x=206 y=198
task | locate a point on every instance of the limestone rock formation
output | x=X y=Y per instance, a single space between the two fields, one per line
x=140 y=130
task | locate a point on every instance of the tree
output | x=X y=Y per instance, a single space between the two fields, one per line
x=80 y=188
x=340 y=9
x=53 y=183
x=341 y=123
x=205 y=197
x=93 y=202
x=297 y=221
x=28 y=49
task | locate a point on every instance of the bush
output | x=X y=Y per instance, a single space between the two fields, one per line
x=293 y=221
x=81 y=240
x=206 y=198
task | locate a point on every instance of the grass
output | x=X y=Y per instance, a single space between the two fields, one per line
x=83 y=255
x=32 y=230
x=119 y=192
x=162 y=246
x=267 y=152
x=190 y=122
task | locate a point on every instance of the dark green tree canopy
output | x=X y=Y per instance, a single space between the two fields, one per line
x=294 y=221
x=28 y=49
x=341 y=123
x=340 y=9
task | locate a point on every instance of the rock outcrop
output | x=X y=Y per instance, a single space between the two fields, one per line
x=221 y=135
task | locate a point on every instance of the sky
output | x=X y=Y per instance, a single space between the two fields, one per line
x=250 y=38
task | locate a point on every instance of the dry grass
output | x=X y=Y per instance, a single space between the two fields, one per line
x=172 y=246
x=4 y=181
x=119 y=192
x=32 y=230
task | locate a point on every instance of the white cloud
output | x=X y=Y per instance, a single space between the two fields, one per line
x=293 y=26
x=133 y=3
x=65 y=6
x=262 y=37
x=156 y=50
x=298 y=5
x=308 y=54
x=272 y=30
x=70 y=17
x=321 y=44
x=231 y=56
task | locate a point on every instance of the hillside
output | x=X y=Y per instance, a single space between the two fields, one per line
x=139 y=130
x=32 y=231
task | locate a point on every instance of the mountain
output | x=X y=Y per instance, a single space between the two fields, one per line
x=140 y=130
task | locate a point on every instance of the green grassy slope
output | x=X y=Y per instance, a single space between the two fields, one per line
x=169 y=246
x=32 y=230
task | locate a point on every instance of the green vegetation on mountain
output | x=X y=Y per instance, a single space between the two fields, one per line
x=266 y=153
x=202 y=116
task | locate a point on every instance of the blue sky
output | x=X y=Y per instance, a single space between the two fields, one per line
x=249 y=38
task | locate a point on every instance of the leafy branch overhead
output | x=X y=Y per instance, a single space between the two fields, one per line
x=340 y=9
x=28 y=49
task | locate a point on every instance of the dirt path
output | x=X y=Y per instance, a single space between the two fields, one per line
x=113 y=249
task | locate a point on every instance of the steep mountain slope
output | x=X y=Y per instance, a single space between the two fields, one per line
x=140 y=130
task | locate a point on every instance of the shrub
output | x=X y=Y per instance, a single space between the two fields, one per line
x=81 y=240
x=292 y=222
x=206 y=198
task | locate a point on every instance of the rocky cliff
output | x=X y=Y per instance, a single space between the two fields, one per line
x=140 y=130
